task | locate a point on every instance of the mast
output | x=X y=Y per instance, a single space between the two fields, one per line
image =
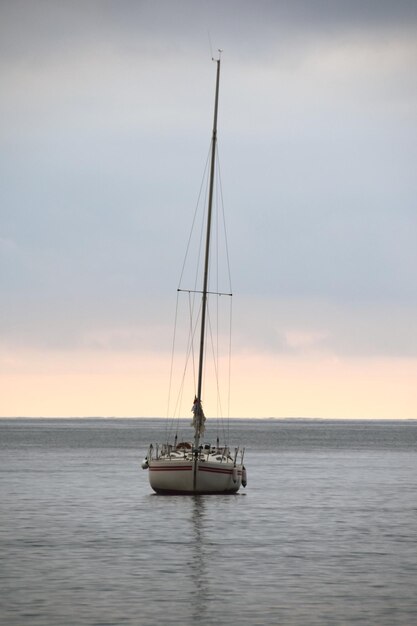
x=199 y=421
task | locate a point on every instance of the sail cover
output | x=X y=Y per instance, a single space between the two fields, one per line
x=198 y=417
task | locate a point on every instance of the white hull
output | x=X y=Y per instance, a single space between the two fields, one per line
x=184 y=476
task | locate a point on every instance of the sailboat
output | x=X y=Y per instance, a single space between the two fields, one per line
x=197 y=467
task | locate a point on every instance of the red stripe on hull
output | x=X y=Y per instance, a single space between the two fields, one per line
x=170 y=469
x=215 y=470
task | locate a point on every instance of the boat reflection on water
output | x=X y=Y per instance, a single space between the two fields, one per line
x=198 y=561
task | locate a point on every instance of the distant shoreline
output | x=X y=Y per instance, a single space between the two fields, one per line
x=186 y=419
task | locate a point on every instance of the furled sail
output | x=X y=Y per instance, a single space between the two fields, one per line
x=199 y=418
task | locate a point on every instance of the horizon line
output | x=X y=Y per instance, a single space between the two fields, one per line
x=159 y=418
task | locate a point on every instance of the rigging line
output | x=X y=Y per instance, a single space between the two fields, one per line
x=216 y=371
x=216 y=213
x=217 y=288
x=192 y=333
x=191 y=309
x=204 y=177
x=220 y=424
x=219 y=189
x=175 y=413
x=211 y=47
x=172 y=355
x=202 y=229
x=170 y=423
x=188 y=352
x=209 y=331
x=224 y=220
x=230 y=367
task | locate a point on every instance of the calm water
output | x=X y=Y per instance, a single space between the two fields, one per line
x=325 y=532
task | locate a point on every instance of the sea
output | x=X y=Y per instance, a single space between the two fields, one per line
x=325 y=532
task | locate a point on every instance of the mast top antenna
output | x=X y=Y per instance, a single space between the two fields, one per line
x=219 y=50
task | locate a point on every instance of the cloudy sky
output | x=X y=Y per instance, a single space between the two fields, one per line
x=106 y=110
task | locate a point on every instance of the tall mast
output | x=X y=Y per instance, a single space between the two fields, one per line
x=198 y=422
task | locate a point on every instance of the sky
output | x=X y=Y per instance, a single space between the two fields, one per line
x=106 y=113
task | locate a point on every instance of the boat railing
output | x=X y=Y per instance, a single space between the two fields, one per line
x=186 y=451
